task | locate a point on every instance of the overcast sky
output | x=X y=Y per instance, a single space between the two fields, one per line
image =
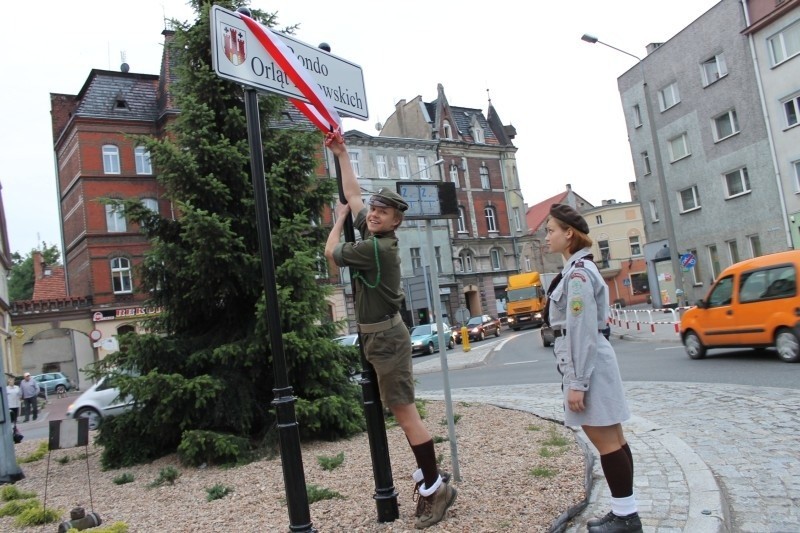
x=559 y=92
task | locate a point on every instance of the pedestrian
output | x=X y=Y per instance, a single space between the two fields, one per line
x=375 y=265
x=593 y=395
x=13 y=393
x=30 y=396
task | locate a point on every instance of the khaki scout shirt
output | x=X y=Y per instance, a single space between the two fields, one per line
x=372 y=305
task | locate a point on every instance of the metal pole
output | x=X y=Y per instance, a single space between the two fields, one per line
x=385 y=493
x=448 y=401
x=288 y=434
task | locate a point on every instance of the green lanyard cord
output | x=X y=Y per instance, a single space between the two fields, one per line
x=358 y=274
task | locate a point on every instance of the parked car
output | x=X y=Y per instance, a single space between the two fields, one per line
x=99 y=401
x=479 y=327
x=348 y=340
x=753 y=304
x=425 y=338
x=53 y=383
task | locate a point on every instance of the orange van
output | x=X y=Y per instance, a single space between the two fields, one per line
x=753 y=304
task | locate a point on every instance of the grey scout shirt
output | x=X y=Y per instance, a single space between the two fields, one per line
x=579 y=304
x=372 y=304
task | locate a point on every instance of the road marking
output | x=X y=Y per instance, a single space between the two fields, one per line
x=671 y=348
x=522 y=362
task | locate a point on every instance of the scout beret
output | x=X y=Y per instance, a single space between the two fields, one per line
x=569 y=216
x=388 y=198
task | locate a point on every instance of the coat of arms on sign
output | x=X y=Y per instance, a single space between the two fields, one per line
x=234 y=44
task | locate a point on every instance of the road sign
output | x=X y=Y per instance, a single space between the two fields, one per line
x=428 y=200
x=626 y=282
x=688 y=260
x=237 y=55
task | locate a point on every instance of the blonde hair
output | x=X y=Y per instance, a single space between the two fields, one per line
x=579 y=239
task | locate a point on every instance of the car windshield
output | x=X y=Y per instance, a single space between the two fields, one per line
x=347 y=340
x=421 y=330
x=475 y=321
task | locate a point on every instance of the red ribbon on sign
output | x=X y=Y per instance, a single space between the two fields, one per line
x=320 y=112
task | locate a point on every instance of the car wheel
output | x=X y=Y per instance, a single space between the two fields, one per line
x=430 y=348
x=515 y=329
x=497 y=332
x=92 y=415
x=481 y=336
x=694 y=348
x=450 y=343
x=788 y=346
x=61 y=389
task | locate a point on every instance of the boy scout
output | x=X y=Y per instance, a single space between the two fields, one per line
x=375 y=265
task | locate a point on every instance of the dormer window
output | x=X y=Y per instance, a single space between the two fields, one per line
x=448 y=131
x=477 y=131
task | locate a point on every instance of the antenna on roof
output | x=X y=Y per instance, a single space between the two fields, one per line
x=488 y=96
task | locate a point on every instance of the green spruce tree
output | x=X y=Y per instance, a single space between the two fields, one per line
x=205 y=374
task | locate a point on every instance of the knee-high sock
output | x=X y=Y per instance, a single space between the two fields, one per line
x=426 y=460
x=627 y=450
x=618 y=470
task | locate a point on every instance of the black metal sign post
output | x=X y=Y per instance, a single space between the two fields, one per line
x=385 y=493
x=288 y=434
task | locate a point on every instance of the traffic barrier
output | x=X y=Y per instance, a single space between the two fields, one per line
x=642 y=317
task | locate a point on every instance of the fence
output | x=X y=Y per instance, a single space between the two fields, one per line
x=639 y=318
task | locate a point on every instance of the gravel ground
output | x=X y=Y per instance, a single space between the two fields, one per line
x=519 y=473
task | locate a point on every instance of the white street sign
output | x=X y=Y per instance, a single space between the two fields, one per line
x=237 y=55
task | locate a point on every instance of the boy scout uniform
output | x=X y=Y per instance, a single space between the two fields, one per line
x=586 y=360
x=375 y=265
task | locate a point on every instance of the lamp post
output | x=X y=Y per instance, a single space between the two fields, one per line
x=662 y=182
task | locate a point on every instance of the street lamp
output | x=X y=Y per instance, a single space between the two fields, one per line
x=662 y=183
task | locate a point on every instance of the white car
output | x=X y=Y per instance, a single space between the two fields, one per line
x=101 y=400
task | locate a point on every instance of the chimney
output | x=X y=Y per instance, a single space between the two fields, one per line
x=569 y=187
x=399 y=108
x=38 y=265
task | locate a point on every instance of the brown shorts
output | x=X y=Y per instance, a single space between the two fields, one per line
x=389 y=352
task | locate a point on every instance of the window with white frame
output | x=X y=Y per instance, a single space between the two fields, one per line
x=142 y=157
x=713 y=260
x=791 y=110
x=517 y=219
x=755 y=245
x=713 y=69
x=653 y=210
x=725 y=125
x=422 y=163
x=491 y=219
x=605 y=253
x=636 y=247
x=496 y=258
x=151 y=204
x=115 y=219
x=737 y=182
x=527 y=261
x=402 y=166
x=637 y=116
x=733 y=251
x=110 y=159
x=454 y=175
x=121 y=279
x=354 y=162
x=678 y=147
x=465 y=257
x=485 y=178
x=796 y=167
x=383 y=167
x=689 y=199
x=598 y=219
x=646 y=163
x=438 y=251
x=697 y=277
x=416 y=259
x=462 y=220
x=785 y=44
x=448 y=131
x=669 y=96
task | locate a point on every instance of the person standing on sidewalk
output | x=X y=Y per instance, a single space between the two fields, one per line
x=375 y=265
x=593 y=395
x=13 y=393
x=30 y=396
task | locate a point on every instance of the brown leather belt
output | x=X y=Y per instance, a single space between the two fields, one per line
x=377 y=327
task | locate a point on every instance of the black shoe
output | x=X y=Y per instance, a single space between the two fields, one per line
x=594 y=522
x=619 y=524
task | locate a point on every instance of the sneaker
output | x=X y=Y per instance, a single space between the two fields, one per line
x=435 y=506
x=594 y=522
x=619 y=524
x=419 y=499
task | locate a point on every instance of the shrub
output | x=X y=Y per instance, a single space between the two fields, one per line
x=10 y=492
x=15 y=507
x=437 y=439
x=63 y=460
x=217 y=491
x=116 y=527
x=555 y=439
x=541 y=471
x=316 y=493
x=127 y=477
x=37 y=515
x=166 y=475
x=36 y=455
x=199 y=446
x=329 y=463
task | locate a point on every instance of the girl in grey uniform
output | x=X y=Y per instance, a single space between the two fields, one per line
x=593 y=395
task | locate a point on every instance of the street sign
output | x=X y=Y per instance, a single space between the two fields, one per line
x=688 y=260
x=237 y=55
x=428 y=200
x=626 y=282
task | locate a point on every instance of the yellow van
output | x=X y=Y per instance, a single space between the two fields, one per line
x=754 y=303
